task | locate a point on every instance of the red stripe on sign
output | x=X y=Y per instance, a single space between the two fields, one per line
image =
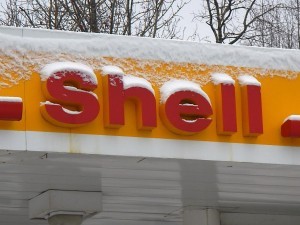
x=11 y=111
x=255 y=110
x=228 y=109
x=252 y=110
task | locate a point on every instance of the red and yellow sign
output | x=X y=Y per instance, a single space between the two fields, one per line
x=73 y=98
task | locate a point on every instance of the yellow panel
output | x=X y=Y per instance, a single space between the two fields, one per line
x=279 y=96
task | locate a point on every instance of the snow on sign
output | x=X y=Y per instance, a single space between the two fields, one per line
x=99 y=85
x=184 y=107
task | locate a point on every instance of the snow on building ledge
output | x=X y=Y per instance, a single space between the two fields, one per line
x=24 y=39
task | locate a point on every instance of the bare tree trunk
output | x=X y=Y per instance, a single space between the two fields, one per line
x=158 y=5
x=129 y=5
x=263 y=25
x=93 y=16
x=112 y=9
x=298 y=21
x=50 y=14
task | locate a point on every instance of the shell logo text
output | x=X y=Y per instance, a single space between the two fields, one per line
x=182 y=106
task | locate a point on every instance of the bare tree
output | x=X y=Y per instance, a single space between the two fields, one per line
x=12 y=14
x=230 y=20
x=151 y=18
x=279 y=28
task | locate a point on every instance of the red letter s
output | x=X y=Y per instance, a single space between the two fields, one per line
x=68 y=89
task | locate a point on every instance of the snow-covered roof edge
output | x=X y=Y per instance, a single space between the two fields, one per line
x=147 y=48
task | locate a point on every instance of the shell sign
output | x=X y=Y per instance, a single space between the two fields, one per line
x=120 y=96
x=184 y=108
x=180 y=108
